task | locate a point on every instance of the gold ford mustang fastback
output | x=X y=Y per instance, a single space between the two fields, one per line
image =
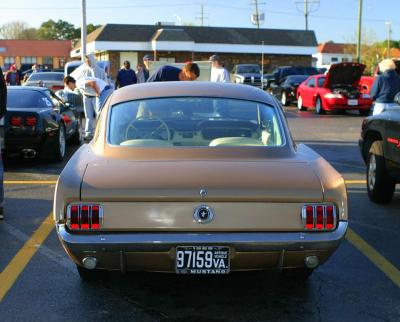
x=197 y=178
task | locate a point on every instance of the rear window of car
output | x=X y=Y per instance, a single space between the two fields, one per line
x=47 y=77
x=194 y=122
x=27 y=99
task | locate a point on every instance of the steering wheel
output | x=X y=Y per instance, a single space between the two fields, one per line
x=163 y=127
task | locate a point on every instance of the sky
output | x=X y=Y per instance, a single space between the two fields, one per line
x=330 y=19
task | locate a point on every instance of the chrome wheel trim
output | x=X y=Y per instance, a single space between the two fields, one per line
x=299 y=103
x=371 y=172
x=318 y=105
x=61 y=139
x=283 y=98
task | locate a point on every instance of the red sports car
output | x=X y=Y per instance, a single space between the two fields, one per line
x=337 y=90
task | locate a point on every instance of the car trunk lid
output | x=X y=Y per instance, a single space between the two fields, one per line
x=233 y=181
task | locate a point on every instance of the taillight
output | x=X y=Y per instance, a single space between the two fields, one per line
x=84 y=216
x=16 y=121
x=319 y=217
x=56 y=87
x=31 y=121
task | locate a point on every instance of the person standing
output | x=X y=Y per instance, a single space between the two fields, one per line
x=385 y=86
x=126 y=76
x=89 y=69
x=99 y=90
x=3 y=110
x=146 y=70
x=166 y=73
x=12 y=76
x=35 y=68
x=140 y=76
x=218 y=72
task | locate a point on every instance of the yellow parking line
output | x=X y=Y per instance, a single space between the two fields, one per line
x=30 y=182
x=22 y=258
x=381 y=262
x=355 y=181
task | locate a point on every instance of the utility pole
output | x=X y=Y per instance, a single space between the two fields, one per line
x=83 y=31
x=359 y=31
x=257 y=14
x=307 y=8
x=202 y=15
x=262 y=65
x=389 y=25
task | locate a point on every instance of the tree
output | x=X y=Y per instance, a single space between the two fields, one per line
x=56 y=30
x=17 y=30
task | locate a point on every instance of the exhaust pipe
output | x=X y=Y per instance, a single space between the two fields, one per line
x=89 y=262
x=311 y=261
x=28 y=153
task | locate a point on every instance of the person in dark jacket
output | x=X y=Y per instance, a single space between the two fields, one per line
x=385 y=86
x=166 y=73
x=126 y=76
x=3 y=110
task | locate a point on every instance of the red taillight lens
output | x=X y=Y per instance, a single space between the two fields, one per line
x=95 y=217
x=74 y=217
x=31 y=121
x=56 y=87
x=66 y=119
x=319 y=217
x=309 y=217
x=16 y=121
x=84 y=216
x=330 y=217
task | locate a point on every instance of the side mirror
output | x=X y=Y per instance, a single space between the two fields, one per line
x=397 y=98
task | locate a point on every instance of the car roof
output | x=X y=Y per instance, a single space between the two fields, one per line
x=187 y=89
x=33 y=88
x=47 y=73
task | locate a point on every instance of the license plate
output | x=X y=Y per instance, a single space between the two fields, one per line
x=202 y=260
x=353 y=102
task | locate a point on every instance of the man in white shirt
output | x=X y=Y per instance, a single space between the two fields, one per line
x=92 y=88
x=218 y=71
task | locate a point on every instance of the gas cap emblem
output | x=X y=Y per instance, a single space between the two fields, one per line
x=203 y=214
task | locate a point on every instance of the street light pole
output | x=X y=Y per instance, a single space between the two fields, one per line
x=83 y=31
x=389 y=25
x=359 y=31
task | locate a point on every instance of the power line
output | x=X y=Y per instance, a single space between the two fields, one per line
x=202 y=15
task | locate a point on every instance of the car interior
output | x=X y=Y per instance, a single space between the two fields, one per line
x=193 y=121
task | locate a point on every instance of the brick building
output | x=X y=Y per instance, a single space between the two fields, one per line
x=117 y=43
x=25 y=53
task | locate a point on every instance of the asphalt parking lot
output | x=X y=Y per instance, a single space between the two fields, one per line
x=361 y=282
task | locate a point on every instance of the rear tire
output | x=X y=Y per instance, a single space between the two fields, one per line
x=60 y=144
x=380 y=185
x=318 y=107
x=300 y=106
x=90 y=275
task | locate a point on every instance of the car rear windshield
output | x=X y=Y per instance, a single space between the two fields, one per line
x=27 y=99
x=194 y=122
x=248 y=69
x=47 y=77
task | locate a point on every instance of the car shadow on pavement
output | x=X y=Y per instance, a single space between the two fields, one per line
x=239 y=296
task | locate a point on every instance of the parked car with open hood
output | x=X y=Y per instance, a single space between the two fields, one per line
x=197 y=178
x=337 y=90
x=37 y=123
x=380 y=148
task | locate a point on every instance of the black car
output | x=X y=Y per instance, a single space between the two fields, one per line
x=380 y=149
x=38 y=123
x=279 y=74
x=286 y=91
